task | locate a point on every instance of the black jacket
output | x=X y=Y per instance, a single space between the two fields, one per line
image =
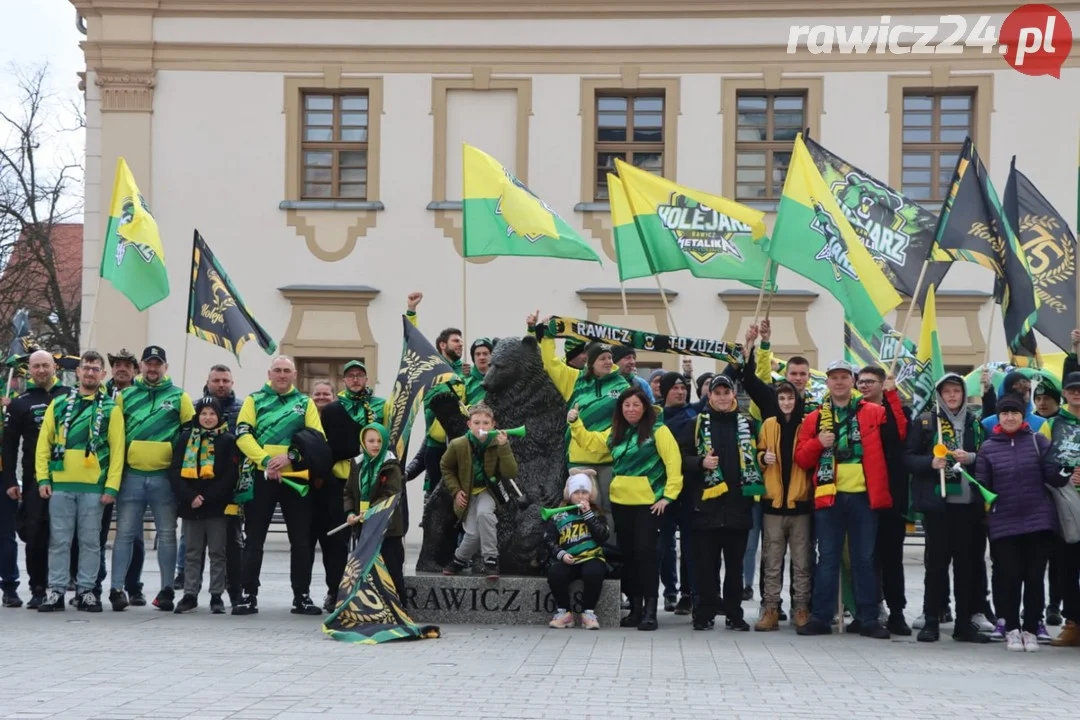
x=925 y=481
x=598 y=528
x=895 y=449
x=230 y=407
x=732 y=509
x=22 y=422
x=217 y=491
x=342 y=432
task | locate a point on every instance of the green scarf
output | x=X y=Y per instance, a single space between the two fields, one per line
x=56 y=459
x=948 y=438
x=199 y=453
x=357 y=405
x=750 y=482
x=478 y=448
x=370 y=465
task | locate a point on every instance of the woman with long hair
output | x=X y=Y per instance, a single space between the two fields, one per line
x=647 y=475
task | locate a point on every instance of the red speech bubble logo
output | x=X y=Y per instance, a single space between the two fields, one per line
x=1035 y=40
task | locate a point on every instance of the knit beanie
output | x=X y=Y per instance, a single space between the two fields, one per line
x=593 y=351
x=581 y=481
x=700 y=382
x=658 y=372
x=211 y=402
x=1047 y=388
x=619 y=352
x=1011 y=402
x=478 y=343
x=667 y=381
x=573 y=348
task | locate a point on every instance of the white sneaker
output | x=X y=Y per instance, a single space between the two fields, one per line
x=1030 y=641
x=1013 y=641
x=883 y=614
x=920 y=623
x=981 y=623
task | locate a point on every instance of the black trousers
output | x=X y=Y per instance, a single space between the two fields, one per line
x=1070 y=582
x=590 y=572
x=637 y=532
x=889 y=558
x=32 y=520
x=709 y=545
x=432 y=469
x=1019 y=569
x=327 y=513
x=953 y=536
x=257 y=516
x=393 y=555
x=1056 y=570
x=234 y=556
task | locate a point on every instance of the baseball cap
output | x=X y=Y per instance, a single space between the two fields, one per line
x=721 y=379
x=1072 y=380
x=840 y=366
x=354 y=364
x=154 y=352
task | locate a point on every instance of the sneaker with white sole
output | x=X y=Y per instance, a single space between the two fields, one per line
x=999 y=630
x=1013 y=641
x=1043 y=634
x=589 y=621
x=1030 y=642
x=981 y=622
x=920 y=623
x=563 y=619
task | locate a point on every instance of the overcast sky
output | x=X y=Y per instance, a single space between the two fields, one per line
x=32 y=33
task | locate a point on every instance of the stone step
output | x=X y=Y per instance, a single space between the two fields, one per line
x=510 y=600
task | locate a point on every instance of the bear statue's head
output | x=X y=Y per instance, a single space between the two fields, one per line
x=512 y=361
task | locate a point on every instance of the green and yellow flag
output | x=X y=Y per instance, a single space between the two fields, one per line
x=680 y=228
x=813 y=238
x=503 y=217
x=929 y=362
x=630 y=252
x=133 y=259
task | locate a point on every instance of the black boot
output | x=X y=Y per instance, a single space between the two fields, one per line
x=648 y=620
x=898 y=624
x=634 y=617
x=931 y=631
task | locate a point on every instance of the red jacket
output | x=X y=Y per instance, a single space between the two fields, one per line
x=808 y=451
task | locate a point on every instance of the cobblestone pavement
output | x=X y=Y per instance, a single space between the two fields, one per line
x=144 y=663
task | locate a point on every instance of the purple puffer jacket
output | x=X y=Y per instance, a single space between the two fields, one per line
x=1016 y=467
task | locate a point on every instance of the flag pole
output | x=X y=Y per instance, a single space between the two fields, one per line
x=761 y=290
x=626 y=312
x=191 y=302
x=989 y=334
x=464 y=298
x=768 y=303
x=663 y=296
x=910 y=311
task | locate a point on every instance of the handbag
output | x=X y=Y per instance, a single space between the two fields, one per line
x=1066 y=501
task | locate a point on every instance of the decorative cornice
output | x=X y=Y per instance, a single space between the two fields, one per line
x=124 y=91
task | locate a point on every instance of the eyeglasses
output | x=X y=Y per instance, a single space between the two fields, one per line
x=867 y=381
x=91 y=368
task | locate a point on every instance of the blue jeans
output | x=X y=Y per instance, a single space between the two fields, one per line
x=138 y=554
x=9 y=547
x=749 y=563
x=850 y=516
x=72 y=513
x=136 y=492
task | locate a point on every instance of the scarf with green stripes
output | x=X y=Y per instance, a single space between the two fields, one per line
x=198 y=463
x=73 y=401
x=847 y=448
x=750 y=482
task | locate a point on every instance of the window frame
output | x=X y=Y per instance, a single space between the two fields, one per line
x=629 y=147
x=334 y=146
x=937 y=189
x=769 y=146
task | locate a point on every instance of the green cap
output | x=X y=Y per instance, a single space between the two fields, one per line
x=354 y=364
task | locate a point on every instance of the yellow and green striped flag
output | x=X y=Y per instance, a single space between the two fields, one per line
x=503 y=217
x=929 y=362
x=680 y=228
x=630 y=252
x=133 y=259
x=813 y=238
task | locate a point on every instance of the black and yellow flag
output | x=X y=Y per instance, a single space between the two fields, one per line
x=972 y=227
x=422 y=368
x=1050 y=249
x=369 y=608
x=216 y=312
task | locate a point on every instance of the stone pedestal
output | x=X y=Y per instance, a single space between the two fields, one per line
x=474 y=600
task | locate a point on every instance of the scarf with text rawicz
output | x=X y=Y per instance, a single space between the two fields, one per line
x=587 y=331
x=73 y=400
x=750 y=482
x=198 y=461
x=848 y=444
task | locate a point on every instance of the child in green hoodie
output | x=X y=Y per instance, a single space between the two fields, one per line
x=376 y=475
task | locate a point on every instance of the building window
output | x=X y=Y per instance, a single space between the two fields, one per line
x=334 y=146
x=629 y=127
x=765 y=134
x=311 y=370
x=935 y=127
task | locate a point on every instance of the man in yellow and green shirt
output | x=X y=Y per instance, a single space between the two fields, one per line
x=79 y=462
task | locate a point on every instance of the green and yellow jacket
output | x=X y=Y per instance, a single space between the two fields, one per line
x=153 y=418
x=268 y=421
x=643 y=472
x=83 y=472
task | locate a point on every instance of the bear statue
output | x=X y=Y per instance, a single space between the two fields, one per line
x=519 y=392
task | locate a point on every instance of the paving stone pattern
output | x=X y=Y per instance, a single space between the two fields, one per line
x=144 y=663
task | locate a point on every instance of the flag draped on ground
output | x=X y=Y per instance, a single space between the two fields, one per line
x=972 y=227
x=501 y=216
x=587 y=331
x=897 y=232
x=421 y=369
x=133 y=259
x=369 y=609
x=1050 y=250
x=216 y=312
x=813 y=238
x=680 y=228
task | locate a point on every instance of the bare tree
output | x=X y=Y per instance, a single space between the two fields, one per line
x=40 y=197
